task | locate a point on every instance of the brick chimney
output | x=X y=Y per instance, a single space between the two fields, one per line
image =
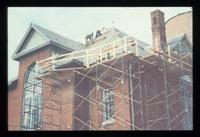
x=158 y=30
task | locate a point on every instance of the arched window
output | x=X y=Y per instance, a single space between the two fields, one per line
x=154 y=21
x=32 y=101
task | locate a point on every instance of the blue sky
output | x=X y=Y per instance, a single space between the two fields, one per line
x=76 y=23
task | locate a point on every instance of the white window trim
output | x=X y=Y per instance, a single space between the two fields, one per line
x=28 y=122
x=111 y=120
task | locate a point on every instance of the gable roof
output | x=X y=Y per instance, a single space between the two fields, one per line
x=49 y=38
x=186 y=46
x=59 y=39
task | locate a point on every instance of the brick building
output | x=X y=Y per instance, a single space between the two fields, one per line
x=113 y=82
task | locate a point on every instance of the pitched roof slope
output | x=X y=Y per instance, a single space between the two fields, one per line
x=55 y=37
x=51 y=38
x=180 y=39
x=108 y=36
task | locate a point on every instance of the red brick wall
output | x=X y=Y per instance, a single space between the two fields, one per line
x=61 y=115
x=15 y=96
x=58 y=102
x=150 y=100
x=55 y=117
x=122 y=106
x=158 y=29
x=14 y=107
x=81 y=107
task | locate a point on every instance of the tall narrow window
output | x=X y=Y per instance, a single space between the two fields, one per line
x=187 y=101
x=32 y=101
x=108 y=107
x=154 y=21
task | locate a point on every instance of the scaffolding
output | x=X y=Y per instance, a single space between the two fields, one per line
x=32 y=102
x=150 y=91
x=36 y=98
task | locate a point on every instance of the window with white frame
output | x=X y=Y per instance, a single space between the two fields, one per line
x=32 y=101
x=108 y=105
x=187 y=98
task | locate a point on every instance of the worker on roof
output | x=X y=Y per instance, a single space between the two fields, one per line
x=98 y=33
x=89 y=37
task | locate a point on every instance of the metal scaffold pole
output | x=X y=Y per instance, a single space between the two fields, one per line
x=122 y=82
x=131 y=95
x=98 y=72
x=187 y=121
x=166 y=93
x=140 y=92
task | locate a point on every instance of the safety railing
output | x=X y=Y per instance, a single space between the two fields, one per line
x=90 y=56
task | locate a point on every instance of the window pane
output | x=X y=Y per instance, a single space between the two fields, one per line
x=108 y=99
x=32 y=101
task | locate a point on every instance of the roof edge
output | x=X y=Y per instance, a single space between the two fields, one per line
x=12 y=81
x=16 y=56
x=22 y=40
x=177 y=15
x=31 y=26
